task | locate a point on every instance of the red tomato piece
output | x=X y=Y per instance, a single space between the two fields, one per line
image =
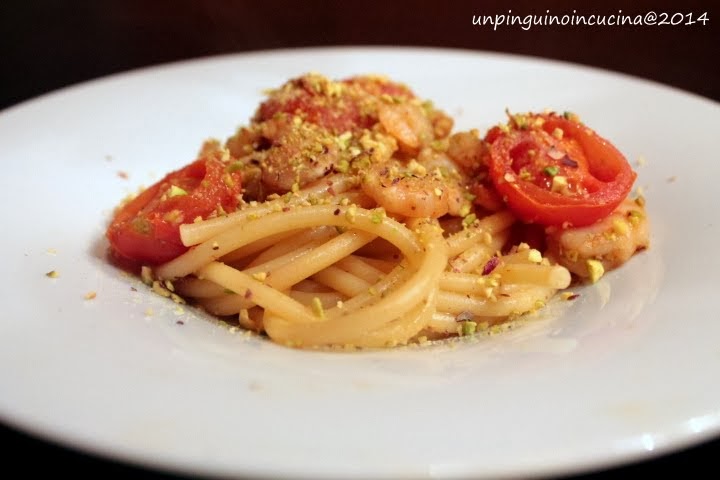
x=553 y=171
x=146 y=230
x=322 y=102
x=308 y=96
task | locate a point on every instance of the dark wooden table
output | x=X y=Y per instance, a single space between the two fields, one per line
x=50 y=44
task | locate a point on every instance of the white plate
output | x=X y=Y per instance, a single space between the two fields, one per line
x=626 y=372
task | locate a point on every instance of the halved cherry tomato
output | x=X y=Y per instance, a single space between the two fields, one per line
x=553 y=171
x=146 y=230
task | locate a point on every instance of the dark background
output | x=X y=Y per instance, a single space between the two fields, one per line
x=50 y=44
x=45 y=45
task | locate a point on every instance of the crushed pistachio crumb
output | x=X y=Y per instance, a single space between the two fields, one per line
x=343 y=166
x=469 y=219
x=228 y=180
x=620 y=227
x=377 y=216
x=551 y=170
x=634 y=217
x=234 y=167
x=177 y=298
x=469 y=327
x=260 y=276
x=521 y=121
x=158 y=288
x=416 y=168
x=559 y=183
x=534 y=256
x=571 y=116
x=350 y=213
x=440 y=145
x=595 y=269
x=176 y=191
x=52 y=274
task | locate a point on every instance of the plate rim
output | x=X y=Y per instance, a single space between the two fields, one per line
x=76 y=88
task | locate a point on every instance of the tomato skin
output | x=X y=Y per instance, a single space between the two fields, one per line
x=600 y=173
x=146 y=230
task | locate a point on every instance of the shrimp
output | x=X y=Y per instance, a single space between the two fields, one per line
x=612 y=240
x=283 y=154
x=467 y=150
x=408 y=190
x=407 y=123
x=440 y=164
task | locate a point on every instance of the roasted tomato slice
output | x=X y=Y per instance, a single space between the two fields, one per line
x=146 y=230
x=554 y=170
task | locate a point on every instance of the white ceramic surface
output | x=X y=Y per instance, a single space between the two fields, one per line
x=626 y=372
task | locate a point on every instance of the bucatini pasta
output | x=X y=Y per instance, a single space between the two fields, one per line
x=349 y=213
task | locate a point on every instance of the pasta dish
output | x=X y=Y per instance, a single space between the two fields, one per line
x=349 y=213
